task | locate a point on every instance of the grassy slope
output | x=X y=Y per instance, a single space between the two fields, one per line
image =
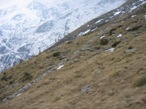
x=113 y=78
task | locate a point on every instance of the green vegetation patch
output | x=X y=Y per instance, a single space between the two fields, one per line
x=140 y=82
x=26 y=76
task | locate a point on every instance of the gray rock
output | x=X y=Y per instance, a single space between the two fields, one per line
x=4 y=100
x=134 y=28
x=87 y=88
x=21 y=90
x=76 y=53
x=28 y=85
x=133 y=50
x=76 y=60
x=87 y=49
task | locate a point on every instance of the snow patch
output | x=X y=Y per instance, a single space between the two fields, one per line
x=145 y=16
x=133 y=16
x=110 y=50
x=83 y=33
x=94 y=29
x=86 y=32
x=106 y=20
x=120 y=35
x=59 y=67
x=134 y=7
x=117 y=13
x=143 y=2
x=102 y=37
x=127 y=28
x=98 y=21
x=19 y=94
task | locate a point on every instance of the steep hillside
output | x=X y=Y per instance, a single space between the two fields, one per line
x=99 y=69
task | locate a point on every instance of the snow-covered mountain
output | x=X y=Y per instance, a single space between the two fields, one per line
x=31 y=27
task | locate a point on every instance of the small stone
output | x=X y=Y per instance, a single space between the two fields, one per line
x=76 y=60
x=87 y=49
x=134 y=28
x=4 y=100
x=130 y=50
x=76 y=53
x=86 y=88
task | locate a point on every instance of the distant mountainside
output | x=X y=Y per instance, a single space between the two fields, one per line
x=30 y=28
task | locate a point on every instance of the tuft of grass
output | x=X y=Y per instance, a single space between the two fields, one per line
x=140 y=69
x=26 y=76
x=57 y=99
x=117 y=60
x=127 y=95
x=140 y=82
x=115 y=74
